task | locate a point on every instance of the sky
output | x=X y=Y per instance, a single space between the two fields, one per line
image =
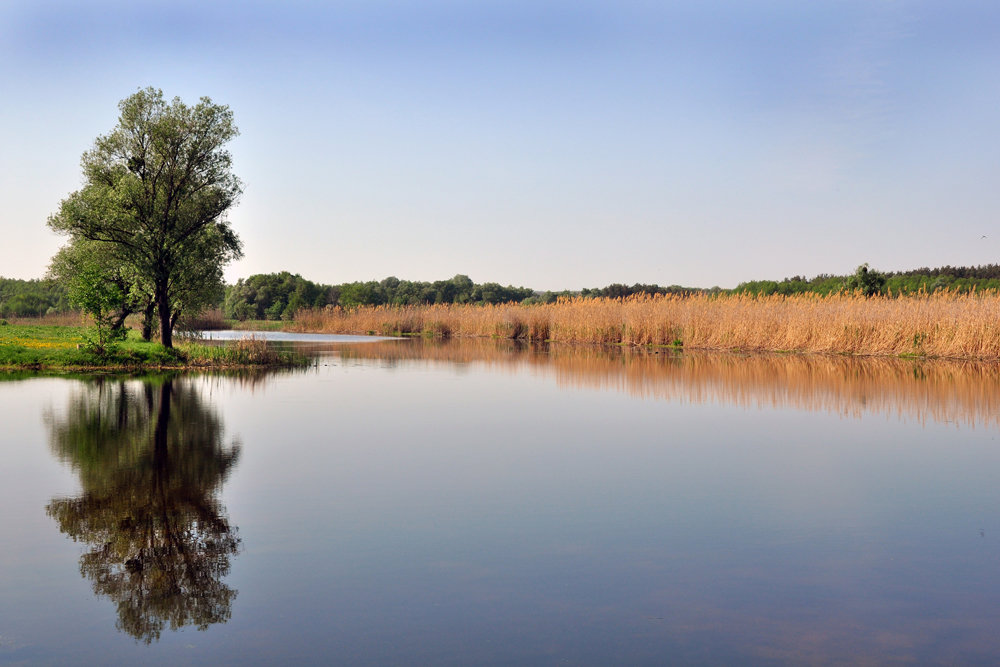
x=555 y=145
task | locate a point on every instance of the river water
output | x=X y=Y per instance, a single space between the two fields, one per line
x=419 y=502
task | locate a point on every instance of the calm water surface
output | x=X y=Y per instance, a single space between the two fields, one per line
x=410 y=502
x=289 y=336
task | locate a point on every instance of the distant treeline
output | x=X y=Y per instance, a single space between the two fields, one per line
x=618 y=290
x=278 y=295
x=955 y=278
x=31 y=298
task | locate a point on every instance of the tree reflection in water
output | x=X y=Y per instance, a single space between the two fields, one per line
x=151 y=460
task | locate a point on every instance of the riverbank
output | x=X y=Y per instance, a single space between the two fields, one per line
x=48 y=346
x=942 y=324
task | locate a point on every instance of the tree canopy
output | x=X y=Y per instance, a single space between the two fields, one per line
x=155 y=195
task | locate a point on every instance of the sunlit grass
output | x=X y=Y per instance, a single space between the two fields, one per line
x=47 y=346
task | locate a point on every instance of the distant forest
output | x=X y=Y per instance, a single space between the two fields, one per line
x=956 y=278
x=276 y=296
x=31 y=298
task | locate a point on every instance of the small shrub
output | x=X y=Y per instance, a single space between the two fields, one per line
x=103 y=341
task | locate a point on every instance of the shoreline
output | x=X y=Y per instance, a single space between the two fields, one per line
x=61 y=348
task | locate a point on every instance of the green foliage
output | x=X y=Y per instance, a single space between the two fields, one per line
x=620 y=290
x=156 y=190
x=821 y=284
x=865 y=280
x=495 y=293
x=31 y=298
x=269 y=296
x=959 y=279
x=547 y=297
x=276 y=296
x=97 y=282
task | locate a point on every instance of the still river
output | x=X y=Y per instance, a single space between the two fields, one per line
x=420 y=502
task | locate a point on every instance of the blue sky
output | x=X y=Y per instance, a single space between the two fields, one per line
x=557 y=145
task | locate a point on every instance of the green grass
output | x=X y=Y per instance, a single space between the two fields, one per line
x=47 y=346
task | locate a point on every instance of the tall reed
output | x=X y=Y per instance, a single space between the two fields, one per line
x=941 y=324
x=208 y=319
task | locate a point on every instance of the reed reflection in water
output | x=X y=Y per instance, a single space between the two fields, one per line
x=963 y=392
x=151 y=461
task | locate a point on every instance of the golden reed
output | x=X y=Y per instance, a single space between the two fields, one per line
x=941 y=324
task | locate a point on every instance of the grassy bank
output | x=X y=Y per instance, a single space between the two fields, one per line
x=942 y=324
x=48 y=346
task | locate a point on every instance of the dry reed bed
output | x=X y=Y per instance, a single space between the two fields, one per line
x=941 y=324
x=963 y=392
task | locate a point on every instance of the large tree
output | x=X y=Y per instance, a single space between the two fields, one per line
x=156 y=192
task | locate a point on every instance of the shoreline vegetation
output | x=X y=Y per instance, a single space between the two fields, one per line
x=58 y=346
x=941 y=324
x=276 y=297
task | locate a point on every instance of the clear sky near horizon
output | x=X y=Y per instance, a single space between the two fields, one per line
x=556 y=145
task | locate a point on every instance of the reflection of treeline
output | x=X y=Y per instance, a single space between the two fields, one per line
x=953 y=278
x=963 y=392
x=31 y=298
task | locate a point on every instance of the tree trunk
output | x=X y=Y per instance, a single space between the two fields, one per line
x=163 y=309
x=119 y=322
x=147 y=321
